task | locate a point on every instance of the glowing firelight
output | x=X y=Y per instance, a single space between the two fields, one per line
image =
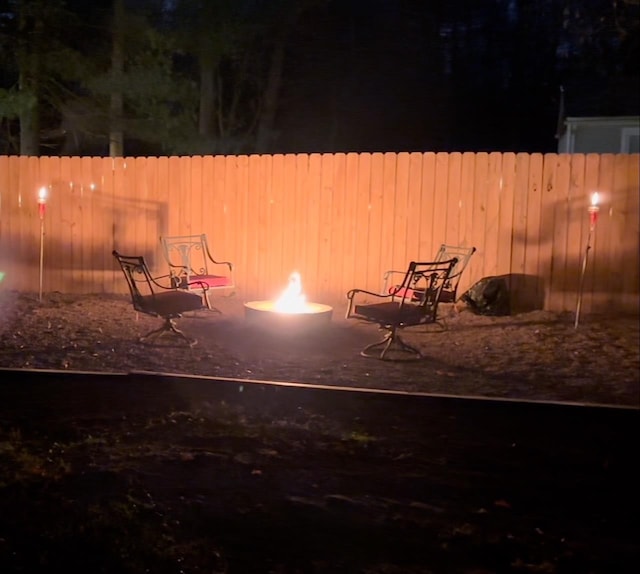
x=595 y=199
x=292 y=300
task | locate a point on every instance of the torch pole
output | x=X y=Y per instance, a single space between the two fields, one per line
x=593 y=217
x=41 y=256
x=42 y=202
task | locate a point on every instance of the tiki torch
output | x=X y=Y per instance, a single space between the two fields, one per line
x=593 y=219
x=42 y=204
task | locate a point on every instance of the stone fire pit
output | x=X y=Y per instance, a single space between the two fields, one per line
x=290 y=311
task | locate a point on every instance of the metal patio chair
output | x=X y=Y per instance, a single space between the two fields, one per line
x=150 y=297
x=413 y=302
x=449 y=292
x=191 y=266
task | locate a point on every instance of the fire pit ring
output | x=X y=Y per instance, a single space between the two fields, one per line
x=265 y=314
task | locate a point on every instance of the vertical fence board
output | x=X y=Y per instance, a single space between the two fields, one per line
x=299 y=220
x=536 y=290
x=28 y=246
x=340 y=224
x=164 y=204
x=362 y=222
x=48 y=173
x=560 y=208
x=492 y=214
x=574 y=230
x=519 y=234
x=630 y=270
x=113 y=277
x=99 y=251
x=479 y=217
x=155 y=193
x=350 y=259
x=592 y=175
x=255 y=220
x=376 y=235
x=242 y=209
x=85 y=221
x=547 y=221
x=17 y=223
x=232 y=218
x=504 y=233
x=398 y=233
x=440 y=201
x=60 y=213
x=313 y=187
x=221 y=233
x=386 y=260
x=197 y=211
x=289 y=261
x=603 y=269
x=454 y=182
x=426 y=240
x=618 y=211
x=261 y=254
x=277 y=215
x=7 y=266
x=183 y=183
x=173 y=182
x=326 y=222
x=414 y=208
x=467 y=186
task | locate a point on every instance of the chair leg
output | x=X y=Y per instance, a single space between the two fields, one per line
x=391 y=343
x=169 y=326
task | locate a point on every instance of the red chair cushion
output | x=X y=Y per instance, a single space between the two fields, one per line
x=211 y=281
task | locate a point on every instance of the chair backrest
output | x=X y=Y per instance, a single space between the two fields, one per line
x=139 y=279
x=463 y=255
x=421 y=291
x=186 y=254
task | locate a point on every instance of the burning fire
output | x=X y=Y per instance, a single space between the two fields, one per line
x=292 y=300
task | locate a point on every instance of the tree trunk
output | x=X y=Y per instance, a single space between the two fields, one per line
x=116 y=105
x=265 y=135
x=206 y=120
x=29 y=80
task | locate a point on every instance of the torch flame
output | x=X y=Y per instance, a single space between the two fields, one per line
x=42 y=195
x=595 y=199
x=292 y=300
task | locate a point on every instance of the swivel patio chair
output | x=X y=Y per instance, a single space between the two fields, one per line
x=150 y=297
x=449 y=292
x=191 y=266
x=413 y=302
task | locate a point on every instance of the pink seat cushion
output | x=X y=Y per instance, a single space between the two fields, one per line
x=408 y=293
x=212 y=281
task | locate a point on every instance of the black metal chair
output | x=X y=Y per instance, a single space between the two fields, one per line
x=413 y=302
x=449 y=292
x=191 y=265
x=150 y=297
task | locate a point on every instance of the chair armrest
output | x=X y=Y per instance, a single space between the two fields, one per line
x=156 y=282
x=200 y=284
x=352 y=293
x=213 y=260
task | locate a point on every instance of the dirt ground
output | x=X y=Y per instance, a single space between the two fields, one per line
x=128 y=470
x=535 y=356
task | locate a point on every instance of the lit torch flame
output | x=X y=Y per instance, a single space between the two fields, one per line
x=594 y=209
x=292 y=300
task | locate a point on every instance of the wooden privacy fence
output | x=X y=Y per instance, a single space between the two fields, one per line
x=339 y=219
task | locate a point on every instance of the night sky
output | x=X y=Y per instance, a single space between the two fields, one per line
x=380 y=75
x=357 y=75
